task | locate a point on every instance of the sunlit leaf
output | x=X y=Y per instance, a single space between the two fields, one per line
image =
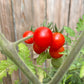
x=41 y=59
x=67 y=39
x=69 y=31
x=80 y=25
x=82 y=72
x=24 y=53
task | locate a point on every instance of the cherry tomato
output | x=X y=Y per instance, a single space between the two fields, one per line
x=28 y=33
x=43 y=37
x=38 y=49
x=55 y=53
x=57 y=41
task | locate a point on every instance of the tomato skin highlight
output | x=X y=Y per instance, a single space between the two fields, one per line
x=28 y=33
x=43 y=37
x=55 y=53
x=38 y=49
x=57 y=41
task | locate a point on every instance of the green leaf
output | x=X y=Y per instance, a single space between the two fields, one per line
x=56 y=63
x=49 y=25
x=56 y=30
x=6 y=66
x=48 y=55
x=62 y=30
x=41 y=74
x=70 y=75
x=82 y=50
x=82 y=72
x=70 y=31
x=80 y=25
x=12 y=68
x=23 y=51
x=67 y=39
x=64 y=52
x=16 y=82
x=24 y=54
x=41 y=59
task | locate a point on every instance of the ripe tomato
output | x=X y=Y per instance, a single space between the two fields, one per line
x=28 y=33
x=38 y=49
x=57 y=41
x=55 y=53
x=43 y=37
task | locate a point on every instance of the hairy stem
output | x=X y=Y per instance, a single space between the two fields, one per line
x=68 y=61
x=23 y=39
x=9 y=50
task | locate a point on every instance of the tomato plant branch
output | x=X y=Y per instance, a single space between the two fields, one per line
x=68 y=61
x=9 y=49
x=23 y=39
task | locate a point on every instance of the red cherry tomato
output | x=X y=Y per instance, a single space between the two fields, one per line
x=28 y=33
x=38 y=49
x=57 y=41
x=55 y=53
x=43 y=37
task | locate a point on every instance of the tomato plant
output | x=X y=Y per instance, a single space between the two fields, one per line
x=28 y=33
x=43 y=37
x=38 y=49
x=56 y=53
x=57 y=41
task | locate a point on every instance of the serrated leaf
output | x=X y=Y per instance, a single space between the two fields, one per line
x=67 y=39
x=23 y=50
x=41 y=73
x=41 y=59
x=12 y=68
x=82 y=72
x=24 y=53
x=6 y=66
x=80 y=25
x=3 y=74
x=70 y=31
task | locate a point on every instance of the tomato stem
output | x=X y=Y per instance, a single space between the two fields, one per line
x=61 y=31
x=44 y=23
x=9 y=49
x=31 y=28
x=56 y=30
x=21 y=40
x=68 y=61
x=49 y=24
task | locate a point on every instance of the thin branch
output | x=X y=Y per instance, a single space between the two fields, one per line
x=68 y=61
x=21 y=40
x=9 y=50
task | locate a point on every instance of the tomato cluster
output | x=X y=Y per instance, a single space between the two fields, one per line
x=43 y=39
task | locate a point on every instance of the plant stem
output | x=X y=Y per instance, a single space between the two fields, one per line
x=23 y=39
x=68 y=61
x=9 y=50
